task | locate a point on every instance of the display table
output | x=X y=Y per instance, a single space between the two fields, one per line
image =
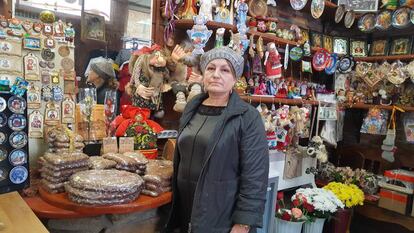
x=143 y=203
x=16 y=216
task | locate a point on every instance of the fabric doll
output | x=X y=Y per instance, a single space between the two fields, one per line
x=272 y=63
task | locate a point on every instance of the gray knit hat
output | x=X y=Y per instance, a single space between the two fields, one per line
x=230 y=55
x=104 y=69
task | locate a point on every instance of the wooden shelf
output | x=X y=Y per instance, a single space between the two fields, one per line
x=331 y=5
x=368 y=106
x=143 y=203
x=267 y=37
x=385 y=58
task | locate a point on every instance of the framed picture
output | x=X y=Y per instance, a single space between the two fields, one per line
x=379 y=48
x=92 y=27
x=400 y=46
x=316 y=40
x=360 y=5
x=328 y=43
x=32 y=43
x=358 y=48
x=305 y=36
x=340 y=45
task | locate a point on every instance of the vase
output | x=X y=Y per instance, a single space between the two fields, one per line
x=314 y=227
x=341 y=221
x=283 y=226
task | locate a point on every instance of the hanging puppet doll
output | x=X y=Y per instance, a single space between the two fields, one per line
x=148 y=79
x=272 y=62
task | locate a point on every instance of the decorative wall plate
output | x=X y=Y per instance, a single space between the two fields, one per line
x=3 y=104
x=258 y=8
x=64 y=51
x=3 y=137
x=384 y=20
x=345 y=64
x=36 y=125
x=31 y=67
x=401 y=17
x=339 y=13
x=18 y=139
x=17 y=122
x=349 y=19
x=367 y=22
x=17 y=104
x=296 y=53
x=3 y=119
x=18 y=157
x=67 y=64
x=317 y=8
x=320 y=59
x=298 y=4
x=18 y=175
x=331 y=64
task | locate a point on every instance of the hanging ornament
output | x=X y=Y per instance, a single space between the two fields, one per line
x=68 y=111
x=35 y=125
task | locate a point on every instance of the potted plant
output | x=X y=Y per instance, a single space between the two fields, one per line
x=350 y=195
x=317 y=205
x=288 y=220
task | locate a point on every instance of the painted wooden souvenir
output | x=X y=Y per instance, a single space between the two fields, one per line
x=15 y=23
x=37 y=27
x=68 y=75
x=340 y=45
x=70 y=33
x=27 y=26
x=68 y=111
x=46 y=93
x=59 y=29
x=358 y=48
x=57 y=94
x=4 y=23
x=189 y=10
x=31 y=67
x=49 y=42
x=52 y=114
x=15 y=32
x=33 y=96
x=55 y=77
x=12 y=46
x=199 y=34
x=36 y=125
x=328 y=43
x=45 y=76
x=31 y=43
x=48 y=29
x=317 y=8
x=223 y=14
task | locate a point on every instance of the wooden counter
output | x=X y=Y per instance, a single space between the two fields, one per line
x=143 y=203
x=17 y=217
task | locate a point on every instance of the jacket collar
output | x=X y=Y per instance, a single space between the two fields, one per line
x=235 y=106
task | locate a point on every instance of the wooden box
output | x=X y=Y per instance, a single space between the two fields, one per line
x=395 y=201
x=97 y=125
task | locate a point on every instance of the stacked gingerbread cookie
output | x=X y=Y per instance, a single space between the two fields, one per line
x=158 y=177
x=99 y=163
x=129 y=161
x=104 y=187
x=61 y=140
x=57 y=168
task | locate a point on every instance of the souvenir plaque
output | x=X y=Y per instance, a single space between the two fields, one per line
x=57 y=94
x=358 y=48
x=367 y=22
x=349 y=19
x=46 y=93
x=27 y=26
x=18 y=139
x=339 y=13
x=4 y=22
x=328 y=43
x=67 y=64
x=55 y=77
x=49 y=42
x=401 y=17
x=3 y=119
x=15 y=23
x=52 y=114
x=400 y=46
x=11 y=46
x=68 y=75
x=3 y=137
x=45 y=76
x=17 y=122
x=3 y=153
x=48 y=29
x=68 y=111
x=31 y=67
x=316 y=40
x=379 y=48
x=32 y=43
x=48 y=55
x=36 y=125
x=18 y=175
x=37 y=27
x=16 y=104
x=317 y=8
x=64 y=51
x=33 y=97
x=3 y=34
x=296 y=53
x=3 y=104
x=18 y=157
x=59 y=29
x=340 y=46
x=298 y=4
x=384 y=20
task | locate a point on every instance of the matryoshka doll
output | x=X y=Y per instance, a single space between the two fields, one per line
x=272 y=62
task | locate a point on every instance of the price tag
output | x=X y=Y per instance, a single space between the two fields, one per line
x=109 y=145
x=127 y=144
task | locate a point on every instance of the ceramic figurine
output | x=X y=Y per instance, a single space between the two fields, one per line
x=189 y=10
x=69 y=34
x=272 y=62
x=180 y=102
x=199 y=34
x=222 y=14
x=242 y=9
x=219 y=37
x=206 y=8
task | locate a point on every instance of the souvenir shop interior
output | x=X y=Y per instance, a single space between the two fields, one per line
x=83 y=149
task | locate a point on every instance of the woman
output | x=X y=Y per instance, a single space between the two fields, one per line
x=221 y=160
x=102 y=75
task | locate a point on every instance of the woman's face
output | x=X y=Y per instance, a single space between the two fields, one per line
x=94 y=78
x=219 y=77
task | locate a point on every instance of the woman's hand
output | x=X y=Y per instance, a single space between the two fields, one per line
x=145 y=92
x=239 y=228
x=195 y=78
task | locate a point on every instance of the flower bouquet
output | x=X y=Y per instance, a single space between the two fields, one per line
x=316 y=204
x=289 y=220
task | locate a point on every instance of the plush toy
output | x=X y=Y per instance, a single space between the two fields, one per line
x=148 y=79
